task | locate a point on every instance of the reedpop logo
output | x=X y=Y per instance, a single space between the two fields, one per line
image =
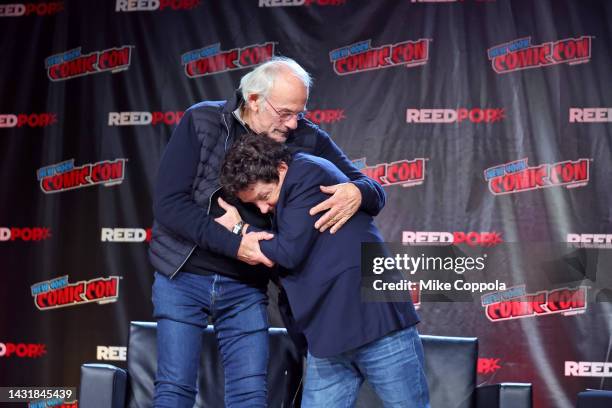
x=474 y=115
x=28 y=9
x=24 y=234
x=33 y=120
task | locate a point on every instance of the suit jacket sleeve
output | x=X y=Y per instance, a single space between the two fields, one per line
x=295 y=232
x=372 y=193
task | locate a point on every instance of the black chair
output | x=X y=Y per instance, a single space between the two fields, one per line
x=594 y=399
x=450 y=364
x=450 y=367
x=107 y=386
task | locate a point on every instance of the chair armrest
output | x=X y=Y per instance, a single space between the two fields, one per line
x=504 y=395
x=102 y=386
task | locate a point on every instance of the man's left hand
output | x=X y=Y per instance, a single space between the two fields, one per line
x=342 y=205
x=231 y=216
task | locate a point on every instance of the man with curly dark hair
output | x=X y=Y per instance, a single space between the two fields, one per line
x=349 y=341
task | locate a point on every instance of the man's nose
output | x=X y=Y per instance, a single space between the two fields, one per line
x=292 y=123
x=264 y=208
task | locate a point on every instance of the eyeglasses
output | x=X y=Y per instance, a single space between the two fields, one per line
x=286 y=116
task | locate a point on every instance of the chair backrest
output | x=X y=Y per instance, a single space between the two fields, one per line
x=594 y=399
x=284 y=369
x=450 y=367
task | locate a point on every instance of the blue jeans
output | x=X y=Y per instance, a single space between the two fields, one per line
x=393 y=365
x=182 y=306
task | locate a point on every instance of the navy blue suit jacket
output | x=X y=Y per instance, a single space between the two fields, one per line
x=322 y=271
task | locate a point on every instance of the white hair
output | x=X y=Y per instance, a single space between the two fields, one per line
x=260 y=80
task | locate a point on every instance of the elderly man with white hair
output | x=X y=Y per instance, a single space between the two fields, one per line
x=205 y=271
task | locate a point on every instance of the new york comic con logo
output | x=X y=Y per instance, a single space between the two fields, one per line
x=406 y=173
x=74 y=63
x=515 y=303
x=521 y=54
x=64 y=176
x=56 y=293
x=212 y=60
x=361 y=56
x=517 y=176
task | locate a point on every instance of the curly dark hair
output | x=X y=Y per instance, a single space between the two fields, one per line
x=251 y=159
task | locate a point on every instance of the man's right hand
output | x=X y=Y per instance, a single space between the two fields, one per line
x=249 y=250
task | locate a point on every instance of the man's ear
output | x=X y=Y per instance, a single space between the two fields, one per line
x=282 y=171
x=253 y=102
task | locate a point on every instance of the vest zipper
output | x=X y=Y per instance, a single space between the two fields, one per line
x=184 y=262
x=209 y=203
